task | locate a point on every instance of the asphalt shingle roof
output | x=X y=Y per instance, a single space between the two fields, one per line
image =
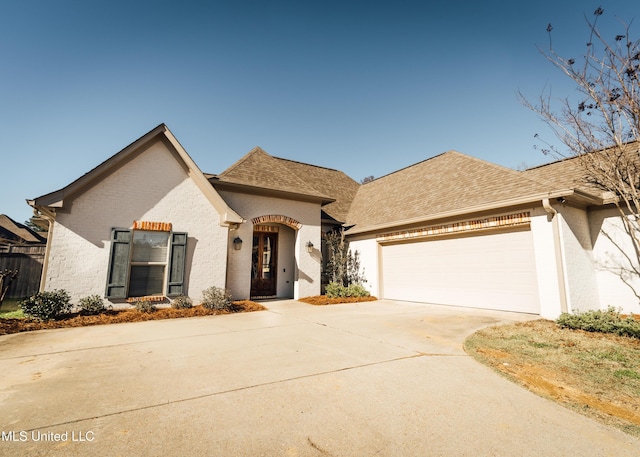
x=571 y=172
x=445 y=183
x=261 y=170
x=12 y=232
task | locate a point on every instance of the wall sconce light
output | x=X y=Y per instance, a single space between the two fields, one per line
x=309 y=247
x=237 y=243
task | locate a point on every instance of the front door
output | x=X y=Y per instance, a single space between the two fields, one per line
x=264 y=264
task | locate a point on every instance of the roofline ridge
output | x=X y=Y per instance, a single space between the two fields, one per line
x=241 y=160
x=519 y=174
x=308 y=164
x=412 y=165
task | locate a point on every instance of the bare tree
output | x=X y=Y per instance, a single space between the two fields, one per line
x=601 y=128
x=6 y=278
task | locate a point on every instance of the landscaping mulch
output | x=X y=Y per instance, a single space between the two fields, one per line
x=118 y=316
x=321 y=300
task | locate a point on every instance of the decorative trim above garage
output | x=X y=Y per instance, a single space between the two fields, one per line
x=510 y=220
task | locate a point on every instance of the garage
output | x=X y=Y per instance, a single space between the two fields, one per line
x=492 y=270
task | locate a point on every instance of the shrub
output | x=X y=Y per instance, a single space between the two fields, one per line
x=337 y=290
x=609 y=321
x=216 y=298
x=357 y=290
x=47 y=305
x=144 y=306
x=343 y=265
x=93 y=304
x=181 y=302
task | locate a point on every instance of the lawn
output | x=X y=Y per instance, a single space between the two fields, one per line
x=10 y=308
x=595 y=374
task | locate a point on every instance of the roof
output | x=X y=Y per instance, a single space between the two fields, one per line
x=260 y=172
x=328 y=181
x=445 y=185
x=12 y=232
x=573 y=171
x=48 y=203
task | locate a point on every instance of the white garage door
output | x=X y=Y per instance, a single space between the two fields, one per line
x=493 y=271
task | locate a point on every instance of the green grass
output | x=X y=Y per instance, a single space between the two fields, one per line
x=596 y=374
x=10 y=309
x=17 y=314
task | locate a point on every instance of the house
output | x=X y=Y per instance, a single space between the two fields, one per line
x=13 y=233
x=452 y=230
x=22 y=250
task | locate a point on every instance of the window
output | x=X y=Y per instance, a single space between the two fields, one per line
x=149 y=252
x=146 y=262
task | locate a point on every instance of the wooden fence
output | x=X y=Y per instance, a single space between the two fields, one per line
x=28 y=260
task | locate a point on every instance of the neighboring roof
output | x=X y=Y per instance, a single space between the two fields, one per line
x=260 y=172
x=48 y=203
x=12 y=232
x=446 y=185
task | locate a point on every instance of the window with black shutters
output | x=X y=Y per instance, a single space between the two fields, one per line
x=146 y=262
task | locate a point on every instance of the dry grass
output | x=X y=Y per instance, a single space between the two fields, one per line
x=321 y=300
x=595 y=374
x=13 y=325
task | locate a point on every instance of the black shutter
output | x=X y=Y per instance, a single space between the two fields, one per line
x=177 y=258
x=118 y=273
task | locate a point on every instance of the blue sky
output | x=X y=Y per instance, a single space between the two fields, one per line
x=366 y=87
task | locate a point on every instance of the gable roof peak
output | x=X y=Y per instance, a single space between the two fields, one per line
x=47 y=203
x=259 y=150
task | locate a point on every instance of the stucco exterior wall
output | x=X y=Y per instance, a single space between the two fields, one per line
x=610 y=240
x=368 y=249
x=301 y=269
x=549 y=270
x=578 y=265
x=151 y=187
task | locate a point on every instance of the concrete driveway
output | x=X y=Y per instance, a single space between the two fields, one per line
x=382 y=378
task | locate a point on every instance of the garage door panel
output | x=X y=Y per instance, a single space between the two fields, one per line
x=494 y=271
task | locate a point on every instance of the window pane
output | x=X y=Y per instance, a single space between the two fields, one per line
x=150 y=246
x=146 y=280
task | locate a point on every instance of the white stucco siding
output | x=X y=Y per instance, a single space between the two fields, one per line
x=304 y=279
x=151 y=187
x=368 y=250
x=577 y=253
x=550 y=267
x=609 y=248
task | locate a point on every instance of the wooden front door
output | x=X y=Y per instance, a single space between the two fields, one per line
x=264 y=264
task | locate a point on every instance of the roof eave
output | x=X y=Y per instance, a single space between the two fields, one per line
x=460 y=212
x=48 y=203
x=56 y=199
x=268 y=192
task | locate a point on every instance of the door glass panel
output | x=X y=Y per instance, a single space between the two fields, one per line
x=264 y=264
x=254 y=257
x=266 y=258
